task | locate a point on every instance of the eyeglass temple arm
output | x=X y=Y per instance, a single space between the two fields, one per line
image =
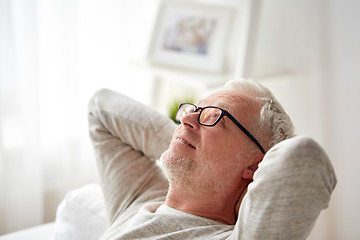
x=245 y=131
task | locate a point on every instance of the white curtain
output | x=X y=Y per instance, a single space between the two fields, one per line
x=54 y=54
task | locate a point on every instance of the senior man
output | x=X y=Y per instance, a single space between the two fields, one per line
x=209 y=164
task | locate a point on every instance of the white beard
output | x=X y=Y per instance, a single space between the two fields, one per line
x=185 y=173
x=179 y=170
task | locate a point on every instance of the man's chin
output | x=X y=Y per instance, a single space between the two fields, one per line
x=176 y=166
x=169 y=160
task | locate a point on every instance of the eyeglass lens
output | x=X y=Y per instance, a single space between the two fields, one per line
x=208 y=115
x=183 y=110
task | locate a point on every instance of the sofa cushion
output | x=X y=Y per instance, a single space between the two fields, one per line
x=81 y=215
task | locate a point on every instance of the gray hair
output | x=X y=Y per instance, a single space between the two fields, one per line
x=272 y=125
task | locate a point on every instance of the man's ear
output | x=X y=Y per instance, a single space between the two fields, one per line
x=248 y=173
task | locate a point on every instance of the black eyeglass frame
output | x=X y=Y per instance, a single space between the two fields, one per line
x=223 y=113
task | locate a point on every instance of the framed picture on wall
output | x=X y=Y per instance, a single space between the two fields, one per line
x=190 y=35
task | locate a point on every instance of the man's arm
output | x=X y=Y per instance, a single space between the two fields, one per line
x=293 y=184
x=127 y=136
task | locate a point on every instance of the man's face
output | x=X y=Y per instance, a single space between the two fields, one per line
x=210 y=158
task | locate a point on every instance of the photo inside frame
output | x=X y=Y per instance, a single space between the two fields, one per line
x=191 y=36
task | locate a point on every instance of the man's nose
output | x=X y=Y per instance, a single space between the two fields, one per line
x=190 y=120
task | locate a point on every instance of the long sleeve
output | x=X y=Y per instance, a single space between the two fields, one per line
x=293 y=184
x=127 y=136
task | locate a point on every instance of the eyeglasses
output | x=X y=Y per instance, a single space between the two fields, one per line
x=209 y=116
